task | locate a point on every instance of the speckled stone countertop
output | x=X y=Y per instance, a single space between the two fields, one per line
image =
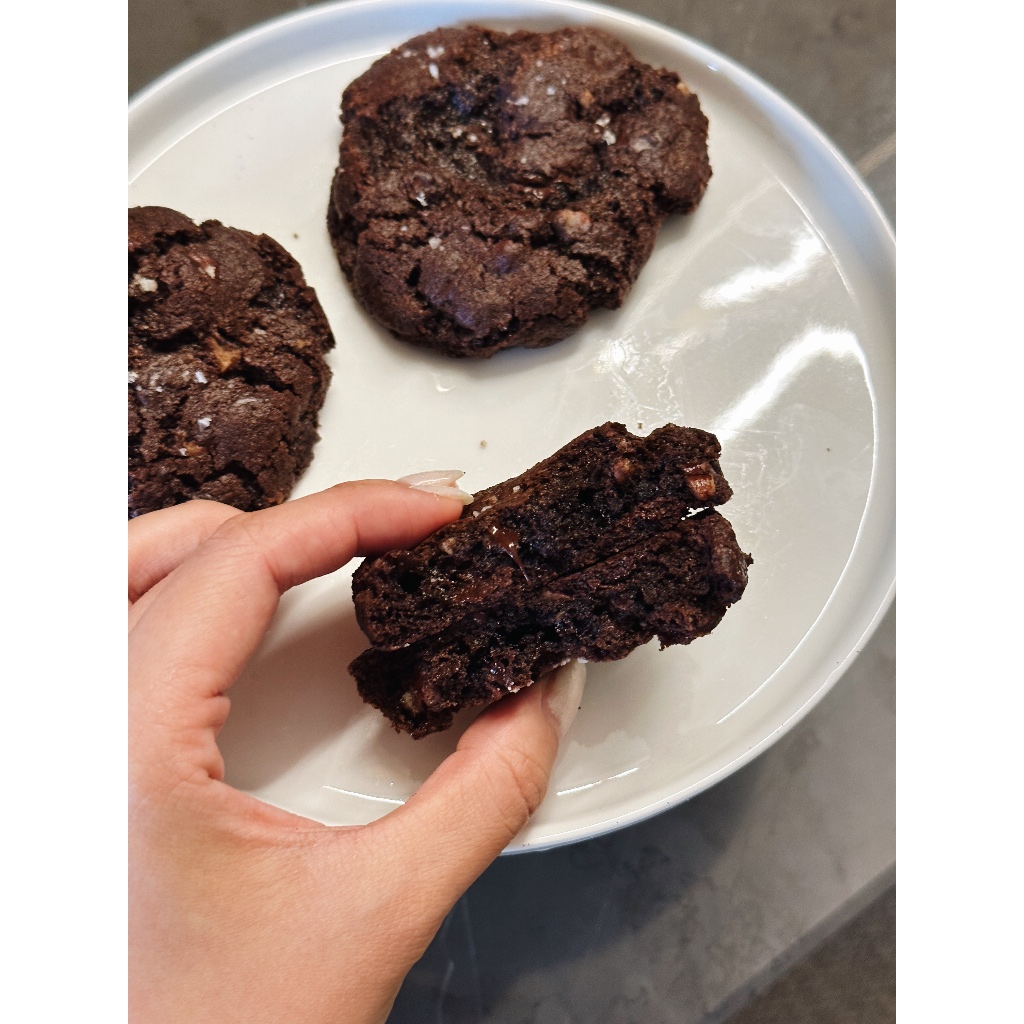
x=680 y=918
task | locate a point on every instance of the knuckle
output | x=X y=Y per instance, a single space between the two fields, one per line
x=520 y=787
x=239 y=538
x=236 y=531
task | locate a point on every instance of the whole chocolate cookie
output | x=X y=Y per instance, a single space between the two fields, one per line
x=594 y=551
x=493 y=188
x=226 y=368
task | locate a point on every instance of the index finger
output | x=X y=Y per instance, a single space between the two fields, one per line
x=212 y=611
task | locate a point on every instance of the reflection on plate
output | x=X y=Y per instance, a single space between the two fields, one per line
x=767 y=317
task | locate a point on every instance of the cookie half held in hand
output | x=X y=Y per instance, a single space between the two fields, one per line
x=493 y=188
x=226 y=367
x=611 y=541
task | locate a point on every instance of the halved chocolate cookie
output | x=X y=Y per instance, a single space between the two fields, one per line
x=608 y=543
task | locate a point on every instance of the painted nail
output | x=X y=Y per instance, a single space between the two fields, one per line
x=438 y=481
x=563 y=693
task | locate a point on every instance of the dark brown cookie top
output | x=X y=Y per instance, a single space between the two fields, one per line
x=226 y=369
x=492 y=189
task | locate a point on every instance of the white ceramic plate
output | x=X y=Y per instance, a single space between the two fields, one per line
x=766 y=317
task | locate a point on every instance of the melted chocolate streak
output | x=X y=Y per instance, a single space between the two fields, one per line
x=508 y=541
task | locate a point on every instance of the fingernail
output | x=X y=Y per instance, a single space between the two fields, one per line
x=564 y=692
x=438 y=481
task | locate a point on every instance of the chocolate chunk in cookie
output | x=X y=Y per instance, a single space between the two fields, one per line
x=226 y=368
x=493 y=188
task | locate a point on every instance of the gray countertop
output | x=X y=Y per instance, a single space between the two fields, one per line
x=680 y=918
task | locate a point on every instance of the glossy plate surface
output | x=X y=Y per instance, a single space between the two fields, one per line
x=766 y=317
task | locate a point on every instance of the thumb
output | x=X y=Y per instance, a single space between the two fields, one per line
x=480 y=797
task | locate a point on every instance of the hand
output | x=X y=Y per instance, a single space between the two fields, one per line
x=239 y=911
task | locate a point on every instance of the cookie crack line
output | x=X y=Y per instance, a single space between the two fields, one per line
x=204 y=348
x=241 y=371
x=162 y=244
x=552 y=585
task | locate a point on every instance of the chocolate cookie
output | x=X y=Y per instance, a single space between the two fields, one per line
x=493 y=188
x=226 y=368
x=610 y=542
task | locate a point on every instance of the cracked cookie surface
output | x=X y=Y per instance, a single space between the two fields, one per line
x=493 y=188
x=226 y=368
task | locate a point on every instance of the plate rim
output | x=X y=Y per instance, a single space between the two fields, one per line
x=878 y=593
